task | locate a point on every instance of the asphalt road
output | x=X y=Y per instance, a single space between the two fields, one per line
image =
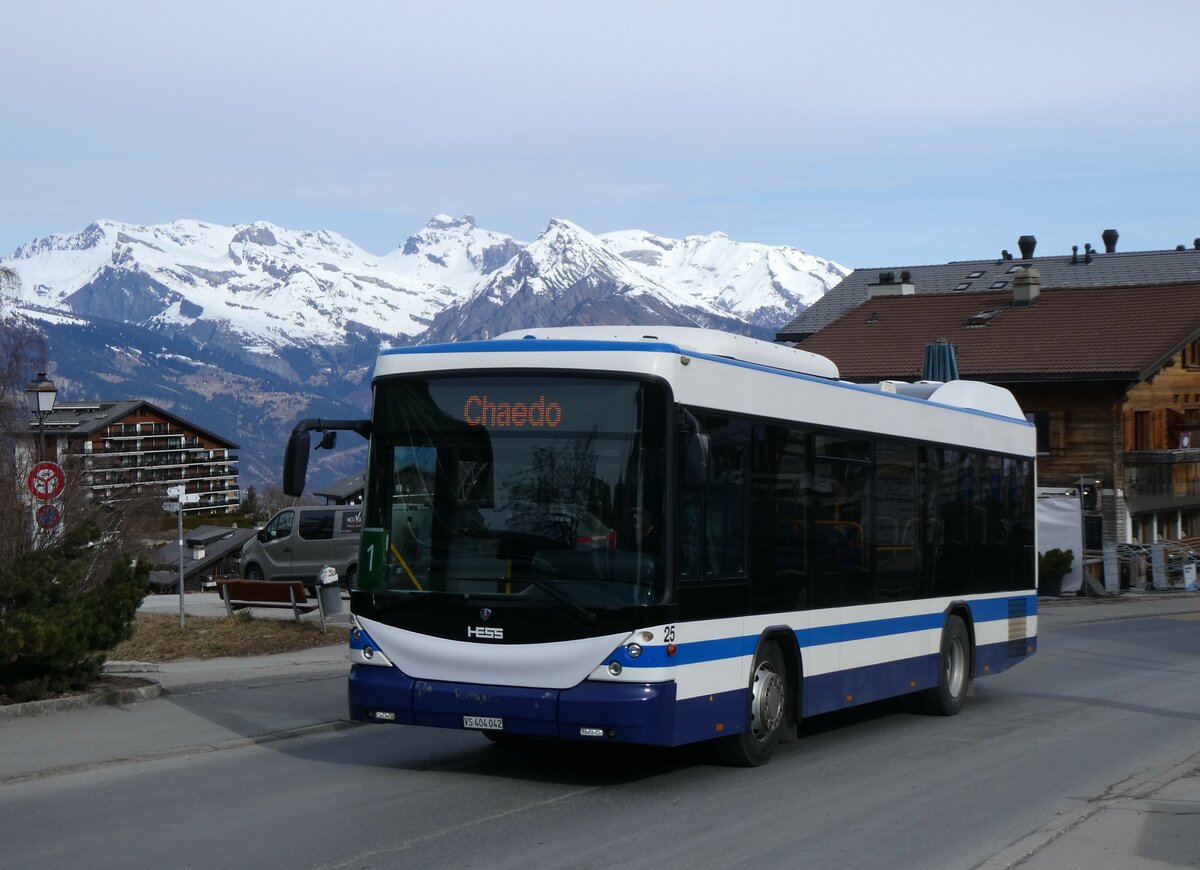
x=1103 y=707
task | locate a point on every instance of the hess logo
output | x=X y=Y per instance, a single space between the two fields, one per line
x=485 y=632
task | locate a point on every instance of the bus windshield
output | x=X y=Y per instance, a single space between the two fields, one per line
x=540 y=488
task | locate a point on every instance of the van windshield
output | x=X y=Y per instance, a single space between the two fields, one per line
x=537 y=487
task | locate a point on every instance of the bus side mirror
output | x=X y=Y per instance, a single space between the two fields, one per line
x=295 y=462
x=696 y=460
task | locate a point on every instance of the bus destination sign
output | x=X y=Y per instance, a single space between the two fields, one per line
x=482 y=411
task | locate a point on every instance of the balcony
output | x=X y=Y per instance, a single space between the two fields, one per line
x=1164 y=477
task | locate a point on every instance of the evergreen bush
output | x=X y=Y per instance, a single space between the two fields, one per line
x=1053 y=566
x=62 y=608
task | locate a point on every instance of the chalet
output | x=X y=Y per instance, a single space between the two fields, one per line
x=1108 y=372
x=117 y=450
x=1086 y=268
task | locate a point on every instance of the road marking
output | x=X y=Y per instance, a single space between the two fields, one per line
x=1186 y=617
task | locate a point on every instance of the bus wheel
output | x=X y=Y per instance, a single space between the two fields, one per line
x=946 y=698
x=768 y=708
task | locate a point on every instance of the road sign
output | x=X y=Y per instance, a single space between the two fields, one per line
x=180 y=494
x=46 y=481
x=48 y=516
x=170 y=506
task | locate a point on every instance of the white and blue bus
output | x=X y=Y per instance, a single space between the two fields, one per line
x=668 y=535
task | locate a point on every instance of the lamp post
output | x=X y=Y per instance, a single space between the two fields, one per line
x=40 y=395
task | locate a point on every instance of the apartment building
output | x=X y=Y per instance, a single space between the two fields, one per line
x=119 y=450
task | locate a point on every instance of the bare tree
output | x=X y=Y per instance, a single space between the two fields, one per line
x=272 y=499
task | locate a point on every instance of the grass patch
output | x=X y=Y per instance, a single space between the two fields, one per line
x=158 y=638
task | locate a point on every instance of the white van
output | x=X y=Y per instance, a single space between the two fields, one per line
x=298 y=542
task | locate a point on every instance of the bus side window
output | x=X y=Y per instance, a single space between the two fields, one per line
x=712 y=521
x=725 y=513
x=691 y=542
x=779 y=519
x=842 y=505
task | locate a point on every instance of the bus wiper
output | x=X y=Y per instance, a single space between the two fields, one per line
x=576 y=611
x=384 y=602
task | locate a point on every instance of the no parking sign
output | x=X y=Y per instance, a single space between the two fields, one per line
x=48 y=516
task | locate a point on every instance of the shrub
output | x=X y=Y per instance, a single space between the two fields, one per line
x=62 y=608
x=1054 y=564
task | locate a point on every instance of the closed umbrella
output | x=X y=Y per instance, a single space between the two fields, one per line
x=940 y=362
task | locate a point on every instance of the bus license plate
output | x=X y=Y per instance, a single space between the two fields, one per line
x=488 y=723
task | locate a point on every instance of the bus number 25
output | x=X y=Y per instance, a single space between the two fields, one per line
x=669 y=633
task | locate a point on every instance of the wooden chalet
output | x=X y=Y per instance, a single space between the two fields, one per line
x=1109 y=374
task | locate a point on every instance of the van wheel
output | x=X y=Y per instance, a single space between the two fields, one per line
x=351 y=576
x=253 y=572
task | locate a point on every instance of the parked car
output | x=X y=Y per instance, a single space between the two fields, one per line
x=296 y=543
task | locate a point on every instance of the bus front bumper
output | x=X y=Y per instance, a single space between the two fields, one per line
x=641 y=713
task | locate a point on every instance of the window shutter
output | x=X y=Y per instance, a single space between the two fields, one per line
x=1130 y=431
x=1058 y=432
x=1158 y=430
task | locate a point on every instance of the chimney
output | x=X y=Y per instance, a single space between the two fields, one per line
x=1027 y=244
x=1109 y=237
x=1027 y=286
x=887 y=286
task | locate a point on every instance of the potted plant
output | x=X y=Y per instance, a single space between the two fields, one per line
x=1053 y=565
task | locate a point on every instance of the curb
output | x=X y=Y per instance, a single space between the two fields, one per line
x=110 y=693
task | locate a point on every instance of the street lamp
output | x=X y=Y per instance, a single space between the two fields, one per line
x=40 y=395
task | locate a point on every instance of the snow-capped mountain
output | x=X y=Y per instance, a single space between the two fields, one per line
x=451 y=254
x=249 y=328
x=568 y=276
x=267 y=286
x=759 y=284
x=261 y=287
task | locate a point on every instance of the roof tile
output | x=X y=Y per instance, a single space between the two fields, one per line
x=1117 y=332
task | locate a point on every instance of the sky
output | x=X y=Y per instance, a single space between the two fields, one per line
x=870 y=133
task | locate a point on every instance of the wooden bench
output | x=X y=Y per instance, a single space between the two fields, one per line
x=285 y=594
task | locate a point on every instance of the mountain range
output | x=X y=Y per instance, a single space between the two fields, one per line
x=246 y=329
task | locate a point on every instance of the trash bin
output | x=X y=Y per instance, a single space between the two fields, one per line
x=330 y=592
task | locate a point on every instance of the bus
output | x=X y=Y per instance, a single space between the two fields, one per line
x=663 y=536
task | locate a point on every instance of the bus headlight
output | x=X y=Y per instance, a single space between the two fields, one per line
x=634 y=650
x=615 y=668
